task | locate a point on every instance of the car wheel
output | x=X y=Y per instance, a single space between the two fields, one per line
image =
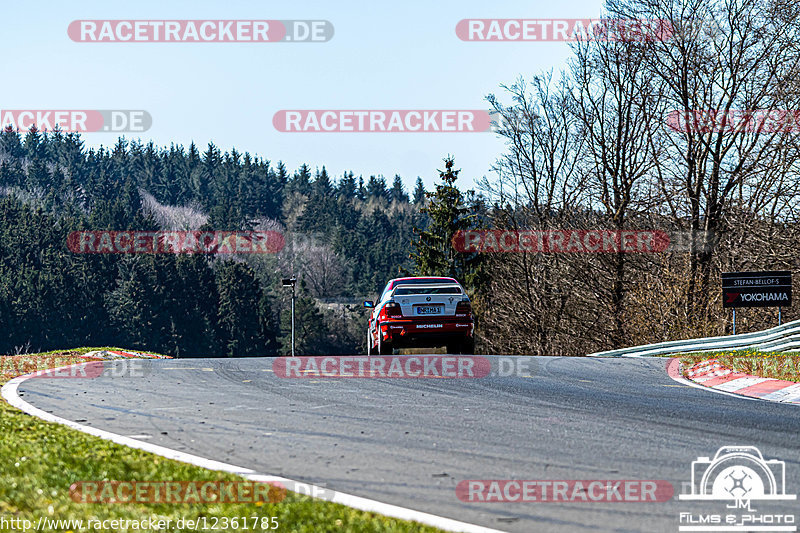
x=465 y=346
x=384 y=348
x=468 y=346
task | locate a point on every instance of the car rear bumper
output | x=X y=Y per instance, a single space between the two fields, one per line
x=408 y=331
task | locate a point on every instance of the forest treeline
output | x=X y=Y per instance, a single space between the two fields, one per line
x=344 y=238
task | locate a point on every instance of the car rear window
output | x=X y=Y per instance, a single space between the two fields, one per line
x=405 y=291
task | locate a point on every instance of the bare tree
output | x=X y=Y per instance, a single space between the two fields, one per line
x=617 y=104
x=324 y=272
x=538 y=186
x=723 y=56
x=173 y=218
x=601 y=147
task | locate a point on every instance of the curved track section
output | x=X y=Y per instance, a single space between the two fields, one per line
x=408 y=442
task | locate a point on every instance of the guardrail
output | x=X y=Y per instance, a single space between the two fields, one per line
x=780 y=339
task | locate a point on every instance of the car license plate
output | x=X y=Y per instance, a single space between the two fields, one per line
x=429 y=309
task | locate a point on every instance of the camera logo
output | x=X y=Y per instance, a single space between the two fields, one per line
x=738 y=473
x=738 y=476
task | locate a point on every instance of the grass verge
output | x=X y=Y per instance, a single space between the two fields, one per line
x=778 y=365
x=39 y=461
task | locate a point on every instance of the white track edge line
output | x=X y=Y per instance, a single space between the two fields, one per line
x=10 y=393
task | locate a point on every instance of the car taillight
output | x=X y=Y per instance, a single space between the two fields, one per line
x=392 y=309
x=463 y=308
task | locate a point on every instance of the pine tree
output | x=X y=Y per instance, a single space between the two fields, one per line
x=270 y=328
x=301 y=181
x=205 y=177
x=34 y=145
x=433 y=252
x=193 y=300
x=398 y=193
x=347 y=187
x=136 y=304
x=376 y=187
x=239 y=318
x=361 y=191
x=322 y=187
x=419 y=192
x=10 y=144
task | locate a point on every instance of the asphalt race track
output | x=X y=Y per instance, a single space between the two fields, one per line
x=409 y=442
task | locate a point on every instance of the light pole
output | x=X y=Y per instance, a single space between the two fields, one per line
x=286 y=282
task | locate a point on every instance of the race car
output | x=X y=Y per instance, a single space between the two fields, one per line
x=421 y=312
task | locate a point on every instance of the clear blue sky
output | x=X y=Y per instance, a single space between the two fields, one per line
x=403 y=55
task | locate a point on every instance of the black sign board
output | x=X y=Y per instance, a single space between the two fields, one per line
x=757 y=289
